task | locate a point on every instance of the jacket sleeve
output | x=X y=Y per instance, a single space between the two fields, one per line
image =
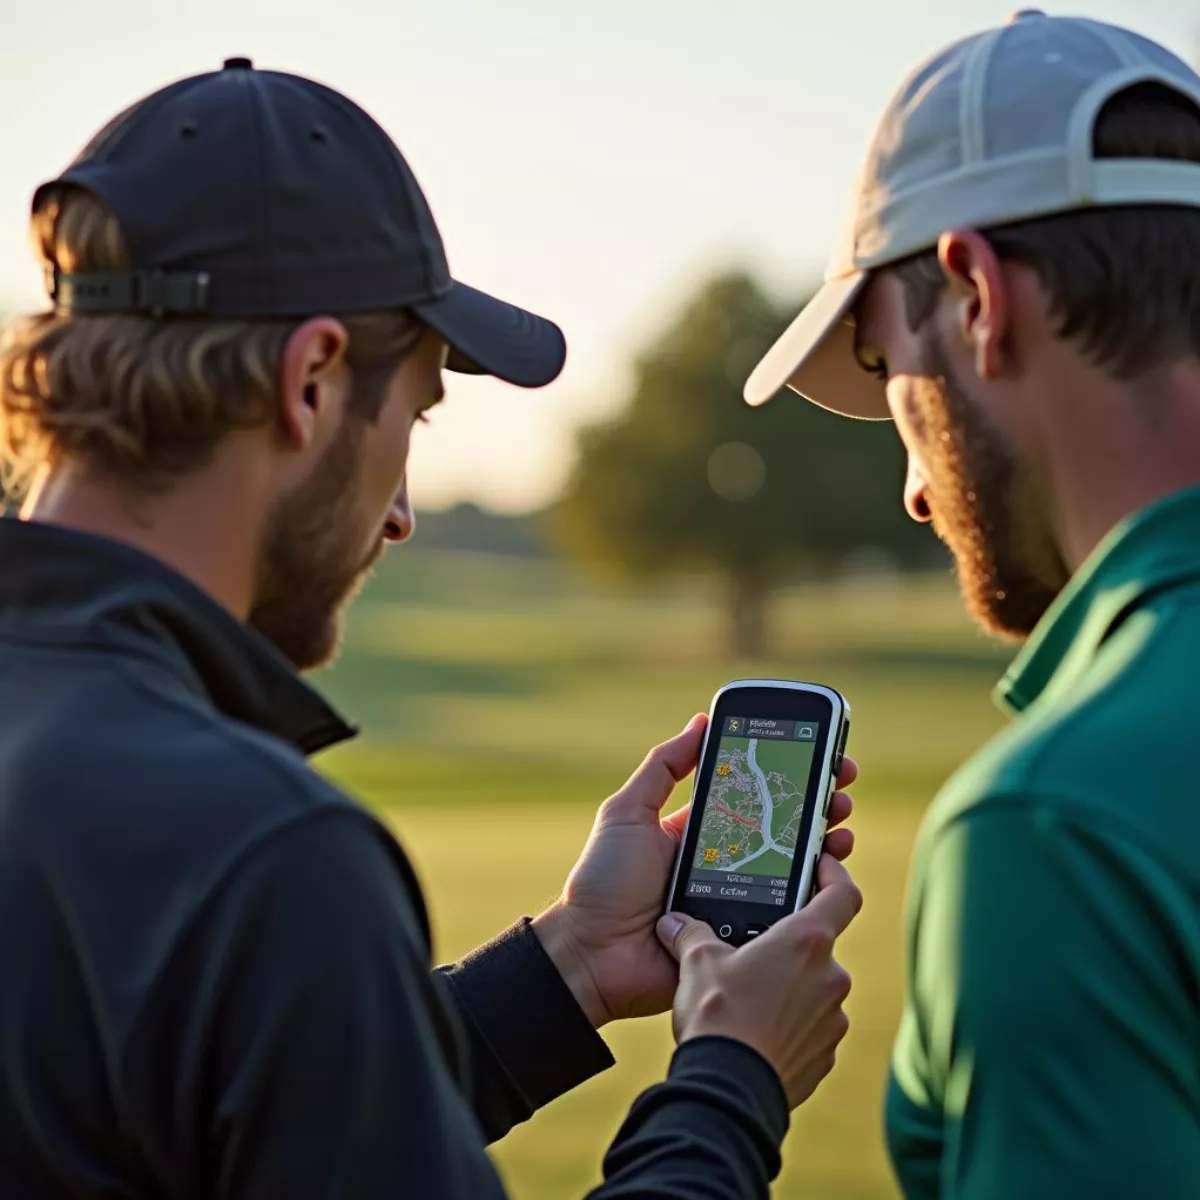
x=712 y=1130
x=528 y=1039
x=327 y=1063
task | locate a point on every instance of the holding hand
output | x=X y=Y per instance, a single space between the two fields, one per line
x=782 y=993
x=601 y=933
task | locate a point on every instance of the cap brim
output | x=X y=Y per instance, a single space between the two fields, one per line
x=489 y=337
x=815 y=357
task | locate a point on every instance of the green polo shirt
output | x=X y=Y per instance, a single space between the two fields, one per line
x=1050 y=1046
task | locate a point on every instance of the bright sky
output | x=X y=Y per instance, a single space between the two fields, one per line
x=591 y=160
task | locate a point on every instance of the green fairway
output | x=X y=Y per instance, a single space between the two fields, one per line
x=502 y=700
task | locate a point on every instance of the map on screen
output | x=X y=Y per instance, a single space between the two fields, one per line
x=755 y=802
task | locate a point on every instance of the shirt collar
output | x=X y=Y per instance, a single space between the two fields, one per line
x=1156 y=548
x=63 y=586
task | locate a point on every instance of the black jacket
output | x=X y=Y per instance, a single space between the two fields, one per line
x=215 y=976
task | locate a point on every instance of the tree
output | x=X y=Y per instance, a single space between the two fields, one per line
x=688 y=477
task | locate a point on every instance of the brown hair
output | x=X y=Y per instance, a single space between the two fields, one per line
x=147 y=400
x=1123 y=283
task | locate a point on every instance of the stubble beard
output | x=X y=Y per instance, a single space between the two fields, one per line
x=311 y=565
x=973 y=490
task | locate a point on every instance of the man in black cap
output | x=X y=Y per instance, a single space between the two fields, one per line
x=215 y=975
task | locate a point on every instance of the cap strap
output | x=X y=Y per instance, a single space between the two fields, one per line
x=1082 y=166
x=152 y=293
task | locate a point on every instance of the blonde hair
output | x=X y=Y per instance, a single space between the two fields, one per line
x=148 y=399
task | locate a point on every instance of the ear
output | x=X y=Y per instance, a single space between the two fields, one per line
x=981 y=300
x=312 y=380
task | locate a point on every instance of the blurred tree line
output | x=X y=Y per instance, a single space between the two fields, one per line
x=686 y=477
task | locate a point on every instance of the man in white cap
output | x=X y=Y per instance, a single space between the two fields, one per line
x=1019 y=290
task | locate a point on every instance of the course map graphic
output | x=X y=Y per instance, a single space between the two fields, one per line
x=755 y=805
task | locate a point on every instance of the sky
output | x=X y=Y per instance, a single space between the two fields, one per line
x=593 y=160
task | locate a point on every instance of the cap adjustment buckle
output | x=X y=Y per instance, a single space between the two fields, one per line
x=154 y=293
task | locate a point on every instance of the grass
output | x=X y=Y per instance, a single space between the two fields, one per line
x=502 y=700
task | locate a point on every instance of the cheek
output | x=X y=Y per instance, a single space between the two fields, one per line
x=384 y=470
x=903 y=396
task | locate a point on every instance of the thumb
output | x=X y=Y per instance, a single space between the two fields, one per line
x=665 y=766
x=679 y=934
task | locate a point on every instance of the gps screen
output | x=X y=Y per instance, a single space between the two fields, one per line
x=753 y=810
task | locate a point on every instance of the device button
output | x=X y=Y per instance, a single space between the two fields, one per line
x=725 y=932
x=752 y=931
x=839 y=756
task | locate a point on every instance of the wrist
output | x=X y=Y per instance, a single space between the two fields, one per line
x=553 y=932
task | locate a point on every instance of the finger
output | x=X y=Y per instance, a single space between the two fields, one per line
x=840 y=808
x=838 y=900
x=840 y=844
x=848 y=774
x=830 y=1030
x=680 y=934
x=676 y=823
x=661 y=769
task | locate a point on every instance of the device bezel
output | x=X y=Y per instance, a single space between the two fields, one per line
x=822 y=782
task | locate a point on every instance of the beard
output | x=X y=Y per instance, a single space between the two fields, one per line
x=311 y=567
x=973 y=487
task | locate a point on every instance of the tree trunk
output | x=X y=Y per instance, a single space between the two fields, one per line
x=747 y=616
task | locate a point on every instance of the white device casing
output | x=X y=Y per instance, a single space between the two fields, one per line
x=816 y=833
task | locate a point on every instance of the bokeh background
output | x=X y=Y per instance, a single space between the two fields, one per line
x=665 y=178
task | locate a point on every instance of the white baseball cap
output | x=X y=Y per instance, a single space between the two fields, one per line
x=994 y=129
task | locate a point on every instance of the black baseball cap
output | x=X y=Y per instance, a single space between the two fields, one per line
x=249 y=194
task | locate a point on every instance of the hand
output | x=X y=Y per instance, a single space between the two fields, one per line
x=600 y=933
x=781 y=993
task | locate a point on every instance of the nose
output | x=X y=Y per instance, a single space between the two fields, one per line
x=915 y=499
x=401 y=522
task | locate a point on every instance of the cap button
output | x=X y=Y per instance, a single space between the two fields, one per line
x=1023 y=14
x=238 y=64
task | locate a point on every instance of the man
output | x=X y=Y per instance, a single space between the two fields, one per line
x=214 y=968
x=1019 y=282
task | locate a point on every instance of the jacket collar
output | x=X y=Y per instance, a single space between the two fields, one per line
x=1151 y=550
x=70 y=588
